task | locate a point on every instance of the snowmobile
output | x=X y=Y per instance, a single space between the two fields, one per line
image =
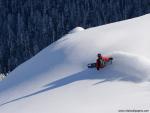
x=93 y=65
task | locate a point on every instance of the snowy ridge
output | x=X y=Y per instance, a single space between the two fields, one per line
x=58 y=74
x=77 y=29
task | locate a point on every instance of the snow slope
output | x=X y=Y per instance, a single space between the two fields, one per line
x=57 y=80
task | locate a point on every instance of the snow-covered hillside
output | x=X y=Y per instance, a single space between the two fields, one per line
x=57 y=80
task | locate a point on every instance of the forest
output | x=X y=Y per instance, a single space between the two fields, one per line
x=28 y=26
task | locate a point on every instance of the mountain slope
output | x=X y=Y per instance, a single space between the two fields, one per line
x=57 y=79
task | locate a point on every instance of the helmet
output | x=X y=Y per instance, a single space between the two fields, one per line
x=99 y=55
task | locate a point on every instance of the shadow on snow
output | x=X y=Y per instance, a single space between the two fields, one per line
x=104 y=75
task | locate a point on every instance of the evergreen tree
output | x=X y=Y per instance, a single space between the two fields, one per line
x=28 y=26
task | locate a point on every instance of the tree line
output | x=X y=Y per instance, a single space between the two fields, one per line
x=28 y=26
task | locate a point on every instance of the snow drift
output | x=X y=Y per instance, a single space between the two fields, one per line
x=131 y=67
x=77 y=29
x=57 y=79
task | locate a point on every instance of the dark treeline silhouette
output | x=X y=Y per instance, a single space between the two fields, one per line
x=27 y=26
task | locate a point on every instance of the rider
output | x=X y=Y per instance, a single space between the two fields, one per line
x=101 y=60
